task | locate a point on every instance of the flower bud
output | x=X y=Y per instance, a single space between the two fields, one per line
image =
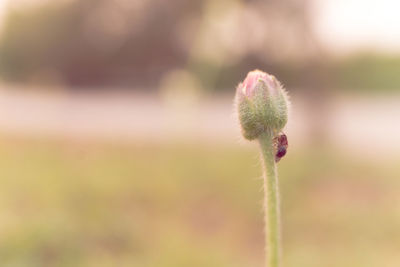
x=262 y=105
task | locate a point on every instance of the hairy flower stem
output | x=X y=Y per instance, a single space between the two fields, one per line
x=271 y=200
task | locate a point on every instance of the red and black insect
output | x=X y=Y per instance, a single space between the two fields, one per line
x=281 y=145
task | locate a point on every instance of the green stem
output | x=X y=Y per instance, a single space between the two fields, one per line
x=271 y=201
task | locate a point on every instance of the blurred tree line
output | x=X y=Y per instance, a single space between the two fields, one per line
x=123 y=43
x=92 y=42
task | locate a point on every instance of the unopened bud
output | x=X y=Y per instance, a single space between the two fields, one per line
x=262 y=104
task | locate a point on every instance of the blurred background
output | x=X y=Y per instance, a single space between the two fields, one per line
x=119 y=145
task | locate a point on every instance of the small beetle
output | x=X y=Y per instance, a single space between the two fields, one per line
x=281 y=145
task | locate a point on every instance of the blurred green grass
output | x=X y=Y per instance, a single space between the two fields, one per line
x=69 y=203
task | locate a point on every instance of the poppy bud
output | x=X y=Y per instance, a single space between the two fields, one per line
x=262 y=104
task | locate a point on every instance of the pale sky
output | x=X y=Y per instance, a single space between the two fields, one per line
x=2 y=6
x=346 y=25
x=2 y=10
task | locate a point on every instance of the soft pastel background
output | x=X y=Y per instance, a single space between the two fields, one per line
x=119 y=145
